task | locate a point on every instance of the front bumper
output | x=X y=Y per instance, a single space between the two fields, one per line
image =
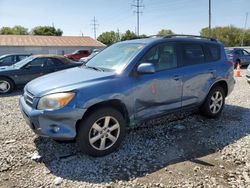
x=58 y=124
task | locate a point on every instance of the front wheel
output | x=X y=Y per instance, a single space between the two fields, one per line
x=214 y=102
x=101 y=132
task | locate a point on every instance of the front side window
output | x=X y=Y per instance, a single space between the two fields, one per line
x=39 y=62
x=115 y=57
x=163 y=56
x=192 y=54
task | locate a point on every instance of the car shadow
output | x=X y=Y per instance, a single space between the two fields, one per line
x=149 y=148
x=16 y=92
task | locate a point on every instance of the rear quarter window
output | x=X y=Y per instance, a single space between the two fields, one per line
x=214 y=51
x=192 y=54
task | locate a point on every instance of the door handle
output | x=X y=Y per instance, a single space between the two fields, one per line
x=176 y=77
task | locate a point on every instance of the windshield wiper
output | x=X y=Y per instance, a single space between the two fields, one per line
x=94 y=68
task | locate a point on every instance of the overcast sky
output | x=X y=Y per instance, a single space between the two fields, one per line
x=74 y=16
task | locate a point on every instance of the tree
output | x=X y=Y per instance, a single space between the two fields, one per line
x=47 y=31
x=16 y=30
x=228 y=35
x=165 y=32
x=128 y=35
x=109 y=38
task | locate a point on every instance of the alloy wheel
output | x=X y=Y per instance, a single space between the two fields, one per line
x=216 y=102
x=4 y=86
x=104 y=133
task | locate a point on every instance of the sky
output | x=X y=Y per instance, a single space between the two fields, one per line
x=74 y=17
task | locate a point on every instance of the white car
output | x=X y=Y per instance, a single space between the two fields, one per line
x=248 y=74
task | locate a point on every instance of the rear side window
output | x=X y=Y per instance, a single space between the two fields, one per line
x=192 y=54
x=214 y=51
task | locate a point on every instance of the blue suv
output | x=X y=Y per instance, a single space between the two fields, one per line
x=126 y=84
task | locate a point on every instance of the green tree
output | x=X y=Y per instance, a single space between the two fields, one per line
x=16 y=30
x=228 y=35
x=109 y=38
x=165 y=32
x=128 y=35
x=47 y=31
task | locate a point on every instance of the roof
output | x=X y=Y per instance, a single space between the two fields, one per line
x=46 y=41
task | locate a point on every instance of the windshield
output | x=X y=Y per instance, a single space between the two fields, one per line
x=24 y=61
x=115 y=57
x=3 y=56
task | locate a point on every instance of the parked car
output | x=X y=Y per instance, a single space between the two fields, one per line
x=126 y=84
x=78 y=54
x=10 y=59
x=248 y=74
x=86 y=59
x=31 y=68
x=238 y=56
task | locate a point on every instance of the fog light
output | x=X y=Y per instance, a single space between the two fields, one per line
x=56 y=129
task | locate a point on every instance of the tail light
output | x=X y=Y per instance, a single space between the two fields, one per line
x=232 y=55
x=230 y=63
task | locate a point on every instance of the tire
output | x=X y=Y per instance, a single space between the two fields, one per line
x=101 y=135
x=214 y=111
x=6 y=85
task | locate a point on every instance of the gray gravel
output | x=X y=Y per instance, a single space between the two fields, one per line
x=185 y=150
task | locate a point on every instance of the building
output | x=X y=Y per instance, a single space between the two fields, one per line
x=59 y=45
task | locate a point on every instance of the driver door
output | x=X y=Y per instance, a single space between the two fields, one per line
x=160 y=92
x=32 y=70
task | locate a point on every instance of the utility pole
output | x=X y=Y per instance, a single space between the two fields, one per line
x=209 y=13
x=138 y=6
x=94 y=25
x=245 y=27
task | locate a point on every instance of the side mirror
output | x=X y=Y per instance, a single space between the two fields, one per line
x=146 y=68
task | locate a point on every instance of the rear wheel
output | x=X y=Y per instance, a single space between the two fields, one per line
x=6 y=85
x=214 y=102
x=236 y=63
x=101 y=132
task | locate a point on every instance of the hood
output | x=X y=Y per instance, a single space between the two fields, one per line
x=66 y=80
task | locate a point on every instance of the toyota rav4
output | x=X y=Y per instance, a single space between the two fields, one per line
x=126 y=84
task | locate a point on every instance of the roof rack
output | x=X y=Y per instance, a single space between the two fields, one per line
x=191 y=36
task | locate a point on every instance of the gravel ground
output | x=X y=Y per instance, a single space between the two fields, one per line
x=176 y=151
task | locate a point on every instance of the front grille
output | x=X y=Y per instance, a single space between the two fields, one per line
x=28 y=97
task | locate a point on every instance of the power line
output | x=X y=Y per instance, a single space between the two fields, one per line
x=138 y=6
x=94 y=25
x=245 y=27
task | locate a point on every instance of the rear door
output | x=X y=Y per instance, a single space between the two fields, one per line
x=199 y=71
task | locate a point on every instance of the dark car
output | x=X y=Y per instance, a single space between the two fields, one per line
x=238 y=56
x=126 y=84
x=10 y=59
x=78 y=54
x=30 y=68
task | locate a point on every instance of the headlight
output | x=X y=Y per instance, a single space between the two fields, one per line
x=55 y=101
